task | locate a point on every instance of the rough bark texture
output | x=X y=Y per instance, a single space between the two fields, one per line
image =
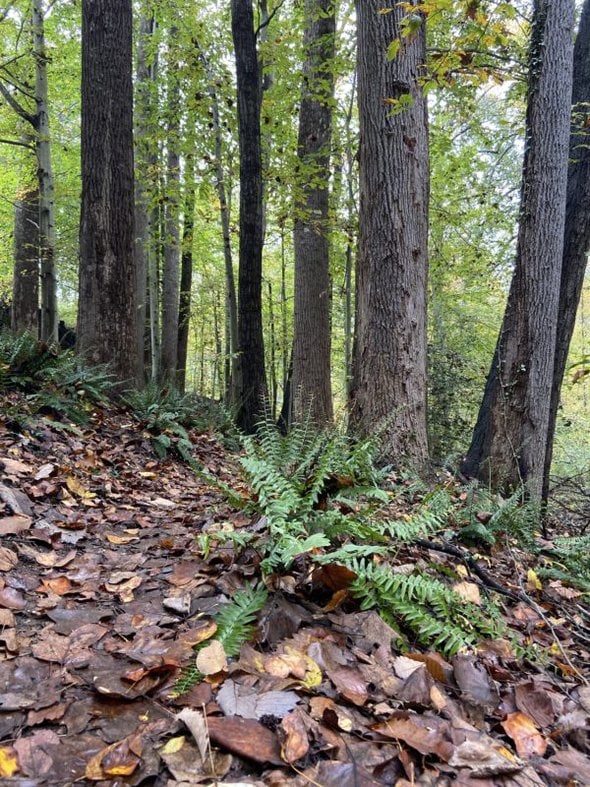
x=49 y=317
x=252 y=378
x=171 y=268
x=312 y=384
x=388 y=389
x=186 y=270
x=144 y=160
x=25 y=287
x=510 y=439
x=107 y=310
x=577 y=223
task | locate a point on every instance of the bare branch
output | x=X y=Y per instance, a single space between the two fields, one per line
x=17 y=143
x=18 y=108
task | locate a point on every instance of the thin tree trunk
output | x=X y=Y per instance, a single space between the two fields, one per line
x=25 y=288
x=312 y=386
x=186 y=272
x=273 y=354
x=171 y=270
x=577 y=224
x=509 y=444
x=49 y=317
x=107 y=306
x=252 y=377
x=388 y=390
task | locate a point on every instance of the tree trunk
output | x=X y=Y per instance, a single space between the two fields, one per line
x=107 y=307
x=25 y=289
x=186 y=272
x=145 y=158
x=49 y=317
x=312 y=385
x=510 y=440
x=388 y=390
x=252 y=378
x=577 y=224
x=171 y=270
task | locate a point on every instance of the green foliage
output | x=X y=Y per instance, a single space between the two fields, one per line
x=436 y=616
x=568 y=561
x=55 y=382
x=485 y=516
x=235 y=625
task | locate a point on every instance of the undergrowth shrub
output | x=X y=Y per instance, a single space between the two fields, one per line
x=568 y=560
x=485 y=517
x=55 y=382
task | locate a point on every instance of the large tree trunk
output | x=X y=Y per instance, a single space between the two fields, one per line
x=577 y=224
x=107 y=308
x=312 y=385
x=388 y=390
x=25 y=288
x=252 y=377
x=509 y=444
x=49 y=317
x=171 y=270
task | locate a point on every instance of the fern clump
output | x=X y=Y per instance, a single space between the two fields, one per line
x=515 y=516
x=435 y=615
x=235 y=625
x=568 y=561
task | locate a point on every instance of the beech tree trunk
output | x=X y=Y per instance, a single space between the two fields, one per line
x=388 y=390
x=312 y=384
x=252 y=377
x=577 y=224
x=49 y=317
x=25 y=288
x=510 y=440
x=107 y=308
x=186 y=271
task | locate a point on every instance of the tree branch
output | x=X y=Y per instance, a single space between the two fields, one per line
x=27 y=145
x=18 y=108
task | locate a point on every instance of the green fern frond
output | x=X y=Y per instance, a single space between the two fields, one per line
x=235 y=625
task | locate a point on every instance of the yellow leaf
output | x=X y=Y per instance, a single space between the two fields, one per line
x=462 y=571
x=533 y=580
x=76 y=488
x=112 y=538
x=212 y=659
x=173 y=745
x=313 y=674
x=468 y=591
x=8 y=762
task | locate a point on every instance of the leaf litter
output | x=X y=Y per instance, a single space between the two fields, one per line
x=105 y=593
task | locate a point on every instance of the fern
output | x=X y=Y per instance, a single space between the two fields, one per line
x=515 y=516
x=437 y=616
x=235 y=625
x=570 y=561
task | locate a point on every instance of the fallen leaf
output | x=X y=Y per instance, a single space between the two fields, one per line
x=44 y=471
x=12 y=525
x=425 y=734
x=8 y=559
x=246 y=738
x=249 y=703
x=14 y=467
x=113 y=538
x=296 y=743
x=12 y=599
x=78 y=489
x=485 y=757
x=114 y=760
x=212 y=658
x=532 y=581
x=196 y=724
x=468 y=591
x=526 y=737
x=8 y=762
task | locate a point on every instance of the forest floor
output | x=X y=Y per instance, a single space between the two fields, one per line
x=105 y=591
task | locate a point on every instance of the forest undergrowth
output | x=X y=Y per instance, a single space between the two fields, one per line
x=181 y=604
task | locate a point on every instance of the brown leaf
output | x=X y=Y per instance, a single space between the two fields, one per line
x=12 y=599
x=249 y=703
x=474 y=682
x=184 y=762
x=238 y=736
x=114 y=760
x=8 y=559
x=420 y=732
x=34 y=761
x=78 y=489
x=14 y=467
x=535 y=703
x=468 y=591
x=526 y=737
x=333 y=576
x=485 y=757
x=296 y=743
x=11 y=525
x=212 y=658
x=44 y=471
x=350 y=683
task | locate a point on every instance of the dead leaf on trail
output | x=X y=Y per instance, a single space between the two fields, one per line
x=468 y=591
x=33 y=759
x=536 y=704
x=426 y=734
x=474 y=682
x=12 y=525
x=12 y=599
x=114 y=760
x=60 y=586
x=195 y=722
x=246 y=738
x=296 y=743
x=8 y=559
x=8 y=762
x=14 y=467
x=113 y=538
x=485 y=757
x=212 y=658
x=250 y=703
x=185 y=763
x=404 y=666
x=526 y=737
x=78 y=489
x=350 y=683
x=44 y=471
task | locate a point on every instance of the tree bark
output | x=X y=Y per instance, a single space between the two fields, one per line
x=107 y=307
x=25 y=288
x=186 y=272
x=577 y=224
x=49 y=316
x=171 y=269
x=252 y=376
x=510 y=440
x=312 y=384
x=388 y=390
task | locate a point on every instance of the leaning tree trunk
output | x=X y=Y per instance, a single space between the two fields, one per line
x=577 y=224
x=252 y=376
x=388 y=390
x=312 y=384
x=107 y=307
x=25 y=288
x=510 y=440
x=49 y=319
